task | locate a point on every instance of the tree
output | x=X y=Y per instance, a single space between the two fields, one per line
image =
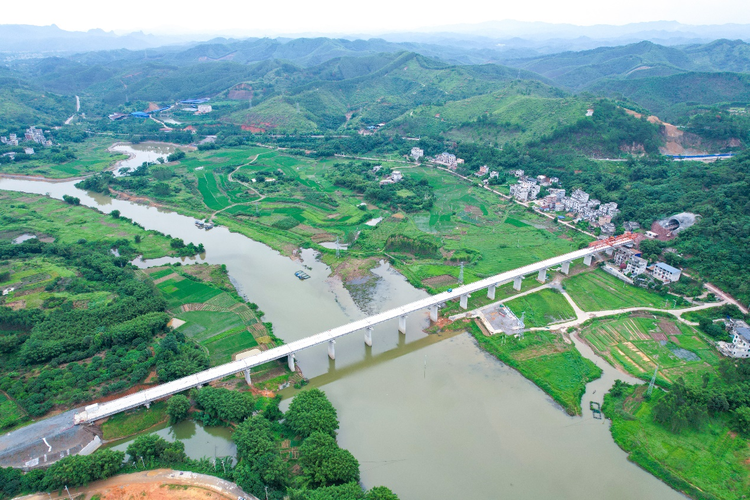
x=178 y=407
x=742 y=420
x=148 y=446
x=324 y=463
x=115 y=214
x=253 y=438
x=380 y=493
x=309 y=412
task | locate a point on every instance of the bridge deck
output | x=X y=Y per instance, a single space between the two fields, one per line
x=219 y=372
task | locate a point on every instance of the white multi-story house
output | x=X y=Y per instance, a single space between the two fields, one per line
x=636 y=265
x=417 y=153
x=494 y=174
x=666 y=273
x=524 y=191
x=580 y=195
x=740 y=345
x=204 y=108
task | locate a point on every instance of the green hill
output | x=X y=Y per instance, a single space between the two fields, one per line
x=674 y=97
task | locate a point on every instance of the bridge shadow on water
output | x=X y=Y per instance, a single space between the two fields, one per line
x=335 y=373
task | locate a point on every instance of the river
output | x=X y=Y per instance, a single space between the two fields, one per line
x=428 y=417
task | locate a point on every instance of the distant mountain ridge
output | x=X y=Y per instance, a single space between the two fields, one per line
x=580 y=70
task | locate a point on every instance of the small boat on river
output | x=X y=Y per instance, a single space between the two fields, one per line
x=302 y=275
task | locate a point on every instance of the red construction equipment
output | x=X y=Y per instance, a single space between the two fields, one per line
x=613 y=241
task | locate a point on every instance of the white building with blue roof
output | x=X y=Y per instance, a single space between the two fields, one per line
x=666 y=273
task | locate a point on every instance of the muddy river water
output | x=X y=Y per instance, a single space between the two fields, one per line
x=428 y=417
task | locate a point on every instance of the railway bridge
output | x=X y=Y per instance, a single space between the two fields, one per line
x=98 y=411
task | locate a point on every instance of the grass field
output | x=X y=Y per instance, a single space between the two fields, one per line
x=135 y=421
x=10 y=413
x=599 y=291
x=638 y=344
x=91 y=156
x=707 y=464
x=545 y=359
x=42 y=216
x=542 y=308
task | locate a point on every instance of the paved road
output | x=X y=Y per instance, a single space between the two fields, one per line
x=27 y=442
x=162 y=476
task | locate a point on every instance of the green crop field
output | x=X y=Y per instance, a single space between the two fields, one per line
x=203 y=325
x=710 y=464
x=186 y=291
x=545 y=359
x=638 y=344
x=542 y=308
x=599 y=291
x=222 y=347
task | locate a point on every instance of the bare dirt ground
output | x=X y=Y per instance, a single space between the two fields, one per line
x=160 y=484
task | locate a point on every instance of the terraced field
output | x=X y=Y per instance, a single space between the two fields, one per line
x=639 y=343
x=218 y=320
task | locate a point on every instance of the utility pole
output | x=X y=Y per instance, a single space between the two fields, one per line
x=653 y=380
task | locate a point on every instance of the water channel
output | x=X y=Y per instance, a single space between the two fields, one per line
x=428 y=417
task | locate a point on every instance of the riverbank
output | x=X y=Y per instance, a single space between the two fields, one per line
x=706 y=464
x=546 y=359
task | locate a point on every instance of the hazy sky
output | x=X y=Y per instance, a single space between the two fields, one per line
x=351 y=16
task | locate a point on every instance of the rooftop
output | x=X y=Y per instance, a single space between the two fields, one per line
x=667 y=267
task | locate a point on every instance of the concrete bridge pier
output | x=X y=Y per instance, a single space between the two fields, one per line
x=368 y=336
x=609 y=251
x=517 y=283
x=465 y=301
x=247 y=376
x=402 y=324
x=587 y=260
x=331 y=349
x=565 y=267
x=542 y=275
x=434 y=313
x=491 y=292
x=290 y=360
x=148 y=405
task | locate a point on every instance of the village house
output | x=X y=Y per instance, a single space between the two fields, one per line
x=13 y=141
x=483 y=170
x=666 y=273
x=524 y=191
x=740 y=345
x=494 y=174
x=417 y=153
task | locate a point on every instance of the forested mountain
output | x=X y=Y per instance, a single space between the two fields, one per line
x=580 y=70
x=675 y=98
